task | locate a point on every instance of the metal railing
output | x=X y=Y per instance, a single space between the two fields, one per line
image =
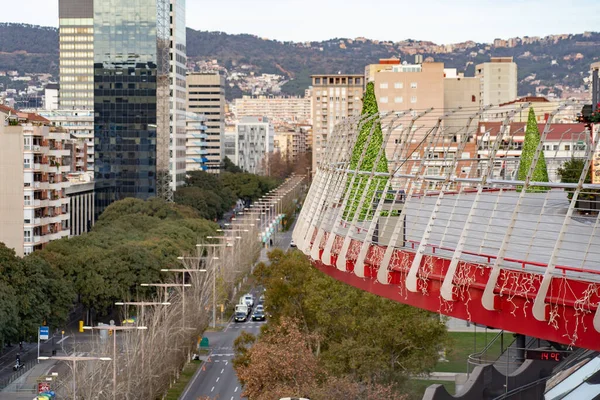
x=482 y=357
x=4 y=383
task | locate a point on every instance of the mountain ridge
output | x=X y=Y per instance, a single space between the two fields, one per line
x=550 y=65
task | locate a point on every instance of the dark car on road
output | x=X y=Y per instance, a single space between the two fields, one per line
x=258 y=315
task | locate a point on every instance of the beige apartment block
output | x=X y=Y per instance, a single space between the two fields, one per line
x=334 y=98
x=498 y=81
x=407 y=90
x=463 y=93
x=35 y=160
x=290 y=142
x=206 y=97
x=279 y=109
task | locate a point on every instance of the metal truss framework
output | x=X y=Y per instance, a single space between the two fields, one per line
x=454 y=230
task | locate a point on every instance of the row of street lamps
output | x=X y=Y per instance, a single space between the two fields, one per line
x=269 y=205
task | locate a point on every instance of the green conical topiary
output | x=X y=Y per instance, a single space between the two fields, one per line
x=360 y=183
x=532 y=140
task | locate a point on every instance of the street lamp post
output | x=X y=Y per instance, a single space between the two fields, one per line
x=214 y=319
x=166 y=286
x=115 y=329
x=183 y=271
x=74 y=360
x=141 y=306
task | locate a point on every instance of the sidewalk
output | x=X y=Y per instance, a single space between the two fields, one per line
x=25 y=387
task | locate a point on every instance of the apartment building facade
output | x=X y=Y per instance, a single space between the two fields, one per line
x=35 y=161
x=290 y=142
x=80 y=125
x=334 y=98
x=279 y=109
x=255 y=141
x=196 y=144
x=595 y=85
x=206 y=96
x=498 y=81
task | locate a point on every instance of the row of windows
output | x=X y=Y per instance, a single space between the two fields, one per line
x=76 y=54
x=82 y=38
x=397 y=85
x=399 y=99
x=64 y=71
x=77 y=46
x=76 y=62
x=79 y=86
x=76 y=21
x=76 y=103
x=338 y=81
x=83 y=78
x=79 y=94
x=78 y=30
x=204 y=86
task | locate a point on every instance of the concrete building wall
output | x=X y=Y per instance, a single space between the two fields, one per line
x=206 y=96
x=418 y=89
x=11 y=186
x=498 y=79
x=461 y=92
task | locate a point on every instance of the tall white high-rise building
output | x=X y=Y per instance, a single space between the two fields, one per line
x=179 y=93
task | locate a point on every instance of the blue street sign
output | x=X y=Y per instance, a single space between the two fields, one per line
x=44 y=333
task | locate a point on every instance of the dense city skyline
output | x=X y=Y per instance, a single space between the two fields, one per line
x=444 y=23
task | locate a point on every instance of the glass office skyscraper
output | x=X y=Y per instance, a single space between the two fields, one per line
x=131 y=98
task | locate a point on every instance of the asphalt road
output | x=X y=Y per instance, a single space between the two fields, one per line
x=217 y=378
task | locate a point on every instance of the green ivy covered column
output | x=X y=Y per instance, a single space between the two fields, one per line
x=374 y=144
x=532 y=140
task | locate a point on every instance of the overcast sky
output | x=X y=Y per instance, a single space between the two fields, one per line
x=441 y=21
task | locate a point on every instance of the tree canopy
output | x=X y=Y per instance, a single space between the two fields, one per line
x=31 y=292
x=353 y=334
x=212 y=195
x=131 y=242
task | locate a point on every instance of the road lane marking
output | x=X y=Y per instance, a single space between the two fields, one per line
x=218 y=379
x=213 y=389
x=191 y=384
x=226 y=362
x=222 y=370
x=236 y=388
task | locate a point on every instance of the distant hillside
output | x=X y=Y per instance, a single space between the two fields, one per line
x=557 y=64
x=28 y=48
